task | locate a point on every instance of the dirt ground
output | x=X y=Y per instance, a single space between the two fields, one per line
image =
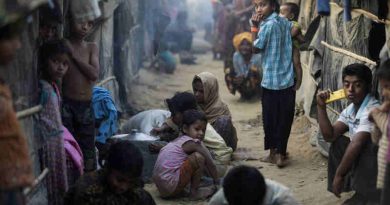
x=306 y=174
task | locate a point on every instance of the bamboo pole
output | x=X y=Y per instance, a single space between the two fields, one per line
x=348 y=53
x=105 y=81
x=28 y=112
x=372 y=16
x=366 y=14
x=36 y=182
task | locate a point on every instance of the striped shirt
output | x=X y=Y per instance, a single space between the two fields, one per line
x=275 y=44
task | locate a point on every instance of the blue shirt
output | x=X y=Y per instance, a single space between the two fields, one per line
x=241 y=68
x=275 y=44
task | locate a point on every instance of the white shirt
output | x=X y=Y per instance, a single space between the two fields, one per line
x=359 y=122
x=145 y=121
x=276 y=194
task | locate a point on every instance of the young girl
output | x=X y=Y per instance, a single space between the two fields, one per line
x=53 y=61
x=184 y=160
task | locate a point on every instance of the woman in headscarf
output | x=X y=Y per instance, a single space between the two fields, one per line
x=245 y=75
x=206 y=90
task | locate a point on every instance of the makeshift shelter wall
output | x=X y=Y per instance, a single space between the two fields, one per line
x=128 y=42
x=388 y=29
x=323 y=66
x=103 y=36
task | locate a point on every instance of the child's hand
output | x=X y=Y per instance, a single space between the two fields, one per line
x=70 y=47
x=256 y=18
x=373 y=112
x=322 y=96
x=155 y=148
x=297 y=86
x=385 y=106
x=238 y=80
x=156 y=131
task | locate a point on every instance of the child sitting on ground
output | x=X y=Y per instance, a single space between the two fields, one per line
x=77 y=112
x=290 y=11
x=53 y=64
x=119 y=182
x=179 y=103
x=184 y=160
x=380 y=115
x=170 y=130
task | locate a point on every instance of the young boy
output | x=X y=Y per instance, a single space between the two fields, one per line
x=380 y=115
x=119 y=182
x=246 y=185
x=77 y=112
x=290 y=11
x=278 y=101
x=352 y=161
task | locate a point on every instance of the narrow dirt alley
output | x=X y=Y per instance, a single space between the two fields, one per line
x=306 y=174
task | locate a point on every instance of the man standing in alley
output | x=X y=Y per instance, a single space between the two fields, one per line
x=352 y=162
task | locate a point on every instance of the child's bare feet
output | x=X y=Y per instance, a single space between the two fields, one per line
x=281 y=160
x=202 y=193
x=270 y=158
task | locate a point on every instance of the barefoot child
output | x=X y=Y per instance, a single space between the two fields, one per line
x=278 y=98
x=290 y=11
x=119 y=182
x=184 y=160
x=53 y=64
x=77 y=112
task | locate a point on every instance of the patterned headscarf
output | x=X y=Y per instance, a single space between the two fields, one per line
x=237 y=40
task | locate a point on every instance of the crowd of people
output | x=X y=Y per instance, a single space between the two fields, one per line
x=197 y=130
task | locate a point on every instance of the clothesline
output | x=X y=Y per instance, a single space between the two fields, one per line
x=348 y=53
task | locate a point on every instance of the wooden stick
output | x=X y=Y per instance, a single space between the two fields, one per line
x=36 y=182
x=366 y=14
x=348 y=53
x=332 y=110
x=372 y=16
x=28 y=112
x=105 y=81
